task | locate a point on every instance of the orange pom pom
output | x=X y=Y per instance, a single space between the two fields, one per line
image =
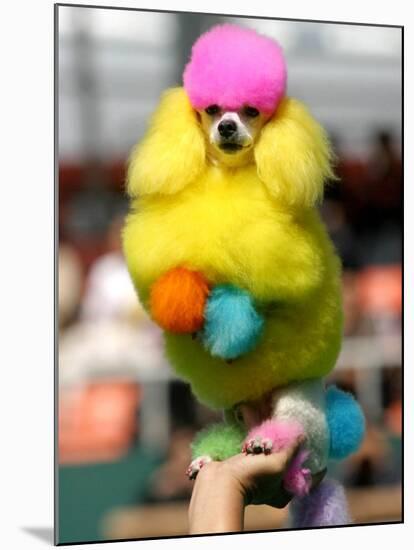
x=177 y=300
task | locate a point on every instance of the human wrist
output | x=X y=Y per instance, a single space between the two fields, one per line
x=218 y=501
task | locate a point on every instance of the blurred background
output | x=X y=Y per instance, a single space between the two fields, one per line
x=125 y=422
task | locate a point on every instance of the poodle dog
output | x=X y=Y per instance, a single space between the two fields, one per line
x=229 y=256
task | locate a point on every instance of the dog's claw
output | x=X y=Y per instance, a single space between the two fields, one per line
x=257 y=445
x=196 y=466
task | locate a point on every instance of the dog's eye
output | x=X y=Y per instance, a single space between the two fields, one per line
x=212 y=109
x=251 y=112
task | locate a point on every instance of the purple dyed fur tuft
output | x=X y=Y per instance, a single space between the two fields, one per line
x=325 y=505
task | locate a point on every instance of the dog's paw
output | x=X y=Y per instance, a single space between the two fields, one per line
x=196 y=466
x=272 y=435
x=232 y=325
x=257 y=445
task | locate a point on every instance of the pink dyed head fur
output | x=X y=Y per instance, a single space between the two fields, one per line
x=234 y=66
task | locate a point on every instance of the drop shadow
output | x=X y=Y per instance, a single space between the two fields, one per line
x=42 y=533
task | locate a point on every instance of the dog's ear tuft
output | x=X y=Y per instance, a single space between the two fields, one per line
x=293 y=156
x=172 y=154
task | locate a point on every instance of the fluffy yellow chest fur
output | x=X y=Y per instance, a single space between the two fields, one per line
x=227 y=226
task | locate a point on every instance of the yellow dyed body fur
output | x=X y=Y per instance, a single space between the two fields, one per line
x=255 y=227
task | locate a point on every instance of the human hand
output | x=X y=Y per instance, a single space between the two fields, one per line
x=223 y=489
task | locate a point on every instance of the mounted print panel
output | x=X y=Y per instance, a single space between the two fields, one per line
x=229 y=273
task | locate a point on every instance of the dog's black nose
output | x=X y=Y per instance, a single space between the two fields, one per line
x=227 y=128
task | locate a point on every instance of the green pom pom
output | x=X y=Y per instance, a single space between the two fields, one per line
x=219 y=441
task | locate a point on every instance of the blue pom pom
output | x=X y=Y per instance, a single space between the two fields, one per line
x=232 y=325
x=346 y=423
